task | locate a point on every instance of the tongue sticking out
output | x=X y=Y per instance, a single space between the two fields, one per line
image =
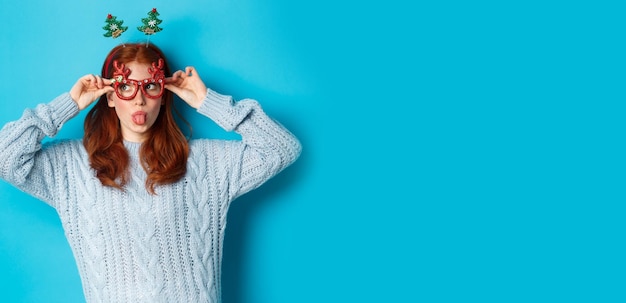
x=139 y=118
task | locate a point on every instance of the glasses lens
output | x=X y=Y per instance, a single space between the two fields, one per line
x=153 y=89
x=126 y=90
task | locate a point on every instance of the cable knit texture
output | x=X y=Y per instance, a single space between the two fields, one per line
x=131 y=246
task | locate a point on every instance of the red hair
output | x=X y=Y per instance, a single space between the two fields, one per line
x=163 y=154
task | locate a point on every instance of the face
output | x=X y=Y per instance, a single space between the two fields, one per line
x=137 y=115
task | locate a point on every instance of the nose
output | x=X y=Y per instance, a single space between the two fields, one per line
x=140 y=99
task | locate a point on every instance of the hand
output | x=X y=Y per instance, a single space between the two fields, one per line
x=88 y=89
x=188 y=86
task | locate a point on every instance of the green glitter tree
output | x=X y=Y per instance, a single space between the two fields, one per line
x=114 y=27
x=151 y=24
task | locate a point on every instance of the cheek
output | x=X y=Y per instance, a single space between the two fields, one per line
x=156 y=110
x=156 y=105
x=120 y=105
x=114 y=101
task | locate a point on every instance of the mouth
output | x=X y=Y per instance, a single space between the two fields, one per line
x=139 y=117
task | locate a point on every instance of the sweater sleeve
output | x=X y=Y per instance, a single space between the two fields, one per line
x=24 y=163
x=266 y=147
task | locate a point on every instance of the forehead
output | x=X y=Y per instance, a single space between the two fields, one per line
x=138 y=70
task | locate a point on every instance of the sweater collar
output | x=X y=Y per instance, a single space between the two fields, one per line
x=132 y=147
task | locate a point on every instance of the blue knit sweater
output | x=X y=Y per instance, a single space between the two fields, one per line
x=129 y=245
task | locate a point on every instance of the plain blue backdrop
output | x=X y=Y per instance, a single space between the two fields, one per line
x=454 y=151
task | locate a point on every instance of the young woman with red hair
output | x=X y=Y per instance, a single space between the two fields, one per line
x=143 y=208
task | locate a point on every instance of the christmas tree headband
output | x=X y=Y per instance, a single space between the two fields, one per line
x=114 y=27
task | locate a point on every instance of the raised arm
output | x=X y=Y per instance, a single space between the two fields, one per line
x=266 y=147
x=23 y=161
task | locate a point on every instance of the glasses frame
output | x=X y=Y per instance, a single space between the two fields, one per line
x=122 y=72
x=141 y=84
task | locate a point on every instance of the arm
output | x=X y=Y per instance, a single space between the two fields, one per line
x=267 y=147
x=25 y=163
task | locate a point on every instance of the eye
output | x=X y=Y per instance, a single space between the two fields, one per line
x=151 y=86
x=124 y=87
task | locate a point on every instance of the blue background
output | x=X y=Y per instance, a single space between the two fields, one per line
x=454 y=151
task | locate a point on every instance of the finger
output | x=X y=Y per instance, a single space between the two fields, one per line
x=183 y=74
x=173 y=78
x=173 y=81
x=98 y=93
x=176 y=77
x=99 y=82
x=91 y=81
x=87 y=77
x=190 y=70
x=173 y=88
x=104 y=90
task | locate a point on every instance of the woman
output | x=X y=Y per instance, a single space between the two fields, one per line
x=143 y=209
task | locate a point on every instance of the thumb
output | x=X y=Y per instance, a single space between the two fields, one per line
x=173 y=88
x=98 y=93
x=104 y=90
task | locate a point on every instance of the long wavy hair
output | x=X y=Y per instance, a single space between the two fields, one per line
x=163 y=154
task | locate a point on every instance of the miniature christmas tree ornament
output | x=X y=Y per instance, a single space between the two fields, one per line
x=114 y=27
x=151 y=24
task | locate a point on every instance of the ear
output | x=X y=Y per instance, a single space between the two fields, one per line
x=110 y=101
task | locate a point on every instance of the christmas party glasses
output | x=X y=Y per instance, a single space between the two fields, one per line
x=126 y=89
